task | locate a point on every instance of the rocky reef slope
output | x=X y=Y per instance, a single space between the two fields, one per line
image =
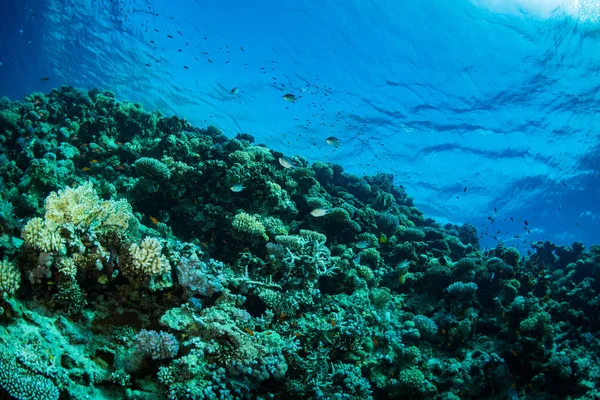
x=145 y=258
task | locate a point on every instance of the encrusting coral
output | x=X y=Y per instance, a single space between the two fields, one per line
x=141 y=274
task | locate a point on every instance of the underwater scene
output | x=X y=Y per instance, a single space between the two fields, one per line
x=342 y=199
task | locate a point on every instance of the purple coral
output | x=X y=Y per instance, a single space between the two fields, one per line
x=196 y=279
x=157 y=345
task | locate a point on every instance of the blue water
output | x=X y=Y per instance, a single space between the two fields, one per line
x=484 y=111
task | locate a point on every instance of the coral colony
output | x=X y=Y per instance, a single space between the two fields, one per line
x=145 y=258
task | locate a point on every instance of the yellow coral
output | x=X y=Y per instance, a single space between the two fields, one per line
x=67 y=267
x=10 y=278
x=82 y=207
x=146 y=259
x=43 y=235
x=78 y=220
x=249 y=225
x=241 y=157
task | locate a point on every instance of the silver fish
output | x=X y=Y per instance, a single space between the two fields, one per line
x=333 y=141
x=362 y=244
x=238 y=187
x=290 y=98
x=286 y=162
x=320 y=212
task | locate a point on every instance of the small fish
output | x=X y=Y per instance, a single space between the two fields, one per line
x=154 y=220
x=403 y=265
x=362 y=244
x=383 y=238
x=320 y=212
x=94 y=161
x=1 y=63
x=333 y=141
x=465 y=189
x=45 y=79
x=235 y=91
x=86 y=169
x=238 y=187
x=290 y=98
x=185 y=67
x=286 y=162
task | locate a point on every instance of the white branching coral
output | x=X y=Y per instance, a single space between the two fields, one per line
x=67 y=267
x=43 y=236
x=75 y=210
x=10 y=278
x=83 y=208
x=146 y=259
x=79 y=232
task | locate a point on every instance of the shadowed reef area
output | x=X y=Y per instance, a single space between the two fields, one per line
x=145 y=258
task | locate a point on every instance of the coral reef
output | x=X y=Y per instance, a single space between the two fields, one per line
x=130 y=269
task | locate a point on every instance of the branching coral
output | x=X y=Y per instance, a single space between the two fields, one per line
x=10 y=278
x=44 y=235
x=249 y=226
x=197 y=278
x=156 y=345
x=82 y=208
x=301 y=259
x=146 y=260
x=79 y=232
